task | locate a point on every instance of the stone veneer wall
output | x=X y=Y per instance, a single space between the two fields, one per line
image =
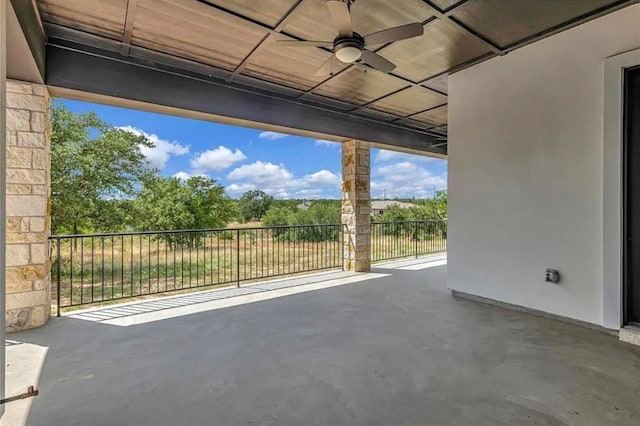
x=28 y=206
x=356 y=205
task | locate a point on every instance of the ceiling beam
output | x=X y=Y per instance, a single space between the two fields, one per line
x=252 y=22
x=58 y=33
x=420 y=112
x=367 y=104
x=270 y=31
x=452 y=22
x=109 y=74
x=243 y=64
x=262 y=43
x=132 y=7
x=278 y=30
x=429 y=128
x=63 y=34
x=446 y=15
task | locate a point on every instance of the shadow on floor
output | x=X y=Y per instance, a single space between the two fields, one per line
x=101 y=314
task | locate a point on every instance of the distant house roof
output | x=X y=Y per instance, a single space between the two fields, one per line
x=383 y=204
x=304 y=205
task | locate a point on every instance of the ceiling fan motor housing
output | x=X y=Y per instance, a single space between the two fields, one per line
x=348 y=49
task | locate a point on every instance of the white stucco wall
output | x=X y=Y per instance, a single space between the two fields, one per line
x=526 y=170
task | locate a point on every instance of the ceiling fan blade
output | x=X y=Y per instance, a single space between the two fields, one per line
x=394 y=34
x=339 y=11
x=376 y=61
x=326 y=69
x=304 y=43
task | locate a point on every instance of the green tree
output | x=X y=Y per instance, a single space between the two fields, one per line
x=392 y=219
x=114 y=215
x=171 y=204
x=290 y=204
x=92 y=165
x=319 y=213
x=277 y=216
x=395 y=213
x=254 y=204
x=162 y=205
x=432 y=209
x=210 y=205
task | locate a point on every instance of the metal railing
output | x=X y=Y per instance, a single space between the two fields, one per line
x=99 y=268
x=393 y=240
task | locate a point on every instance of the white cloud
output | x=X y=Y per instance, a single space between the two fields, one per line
x=279 y=182
x=237 y=189
x=272 y=136
x=186 y=176
x=266 y=172
x=398 y=169
x=402 y=175
x=406 y=179
x=162 y=149
x=323 y=177
x=182 y=176
x=216 y=159
x=240 y=188
x=323 y=142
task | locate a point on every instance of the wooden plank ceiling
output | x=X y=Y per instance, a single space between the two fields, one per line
x=238 y=37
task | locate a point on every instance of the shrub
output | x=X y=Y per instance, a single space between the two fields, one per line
x=319 y=213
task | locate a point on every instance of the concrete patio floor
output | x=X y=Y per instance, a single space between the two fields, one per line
x=395 y=350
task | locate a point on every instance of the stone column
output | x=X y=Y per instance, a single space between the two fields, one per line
x=28 y=206
x=356 y=206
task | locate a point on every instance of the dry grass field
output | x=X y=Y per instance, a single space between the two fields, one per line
x=102 y=269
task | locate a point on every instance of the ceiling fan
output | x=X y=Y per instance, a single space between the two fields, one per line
x=350 y=47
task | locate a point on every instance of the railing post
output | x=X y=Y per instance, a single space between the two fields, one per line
x=342 y=234
x=58 y=276
x=238 y=258
x=415 y=237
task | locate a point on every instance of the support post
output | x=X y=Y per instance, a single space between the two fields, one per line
x=356 y=206
x=3 y=191
x=28 y=224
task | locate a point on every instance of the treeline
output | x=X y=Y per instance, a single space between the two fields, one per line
x=329 y=212
x=102 y=182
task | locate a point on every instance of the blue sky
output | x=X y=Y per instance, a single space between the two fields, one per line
x=284 y=166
